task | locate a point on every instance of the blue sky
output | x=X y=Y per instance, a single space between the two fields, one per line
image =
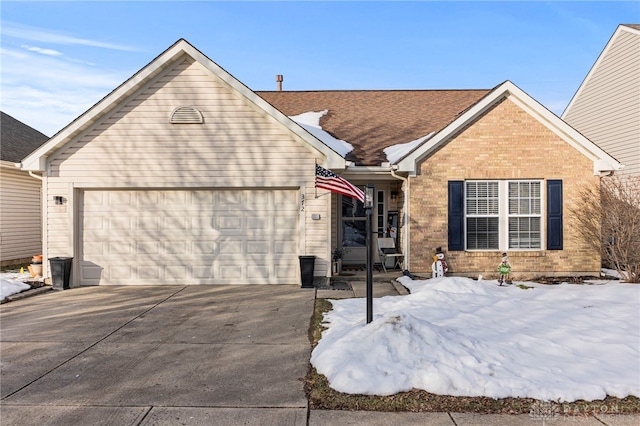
x=59 y=58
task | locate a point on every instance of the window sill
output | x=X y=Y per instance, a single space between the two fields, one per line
x=512 y=254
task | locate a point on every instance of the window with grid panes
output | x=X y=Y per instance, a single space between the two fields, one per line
x=525 y=215
x=503 y=215
x=482 y=215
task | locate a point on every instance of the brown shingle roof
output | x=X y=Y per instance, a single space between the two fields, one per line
x=372 y=120
x=18 y=140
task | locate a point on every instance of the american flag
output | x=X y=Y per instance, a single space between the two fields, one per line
x=326 y=179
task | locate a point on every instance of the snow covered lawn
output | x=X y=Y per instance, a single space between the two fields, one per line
x=461 y=337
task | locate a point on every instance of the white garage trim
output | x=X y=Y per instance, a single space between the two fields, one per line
x=193 y=236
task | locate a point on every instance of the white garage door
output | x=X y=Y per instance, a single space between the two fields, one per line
x=189 y=237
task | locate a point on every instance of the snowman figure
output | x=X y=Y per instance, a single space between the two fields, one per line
x=504 y=269
x=439 y=266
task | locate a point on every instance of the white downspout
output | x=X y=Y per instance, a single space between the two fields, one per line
x=43 y=236
x=405 y=208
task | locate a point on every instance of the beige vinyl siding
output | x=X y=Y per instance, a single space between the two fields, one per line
x=136 y=146
x=20 y=217
x=607 y=107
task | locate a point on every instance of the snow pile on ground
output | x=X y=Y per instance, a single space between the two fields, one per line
x=456 y=336
x=13 y=283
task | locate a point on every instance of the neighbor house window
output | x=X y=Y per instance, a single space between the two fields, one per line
x=503 y=215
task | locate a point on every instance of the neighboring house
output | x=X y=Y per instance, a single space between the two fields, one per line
x=183 y=175
x=20 y=213
x=606 y=107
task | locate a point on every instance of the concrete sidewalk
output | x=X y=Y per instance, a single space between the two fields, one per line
x=193 y=355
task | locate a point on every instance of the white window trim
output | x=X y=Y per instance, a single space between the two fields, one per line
x=503 y=216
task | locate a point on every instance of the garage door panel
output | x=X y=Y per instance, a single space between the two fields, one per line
x=258 y=272
x=203 y=223
x=204 y=247
x=120 y=198
x=124 y=272
x=118 y=248
x=147 y=248
x=258 y=247
x=284 y=247
x=189 y=237
x=230 y=224
x=175 y=221
x=231 y=247
x=254 y=222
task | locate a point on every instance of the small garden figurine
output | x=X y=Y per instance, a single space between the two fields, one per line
x=504 y=269
x=439 y=266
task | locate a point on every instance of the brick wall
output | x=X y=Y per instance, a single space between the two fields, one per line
x=505 y=143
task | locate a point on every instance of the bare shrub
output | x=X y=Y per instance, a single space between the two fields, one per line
x=609 y=220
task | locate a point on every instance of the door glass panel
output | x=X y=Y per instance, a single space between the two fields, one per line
x=353 y=223
x=354 y=233
x=352 y=208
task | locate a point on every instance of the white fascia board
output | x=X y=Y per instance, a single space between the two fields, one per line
x=596 y=64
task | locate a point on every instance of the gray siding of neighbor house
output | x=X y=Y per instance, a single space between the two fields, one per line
x=606 y=109
x=21 y=218
x=134 y=146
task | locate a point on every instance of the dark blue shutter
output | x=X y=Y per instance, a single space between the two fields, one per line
x=456 y=216
x=554 y=215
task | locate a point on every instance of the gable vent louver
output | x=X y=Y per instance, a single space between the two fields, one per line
x=186 y=115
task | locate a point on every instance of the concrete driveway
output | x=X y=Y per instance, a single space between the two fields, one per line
x=156 y=355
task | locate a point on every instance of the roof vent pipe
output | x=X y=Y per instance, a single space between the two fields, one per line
x=279 y=79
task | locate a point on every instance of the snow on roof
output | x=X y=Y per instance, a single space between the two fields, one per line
x=399 y=151
x=310 y=121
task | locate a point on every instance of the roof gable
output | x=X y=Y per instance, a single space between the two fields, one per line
x=633 y=29
x=18 y=139
x=37 y=160
x=602 y=162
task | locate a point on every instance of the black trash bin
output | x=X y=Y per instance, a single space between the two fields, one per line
x=60 y=272
x=306 y=270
